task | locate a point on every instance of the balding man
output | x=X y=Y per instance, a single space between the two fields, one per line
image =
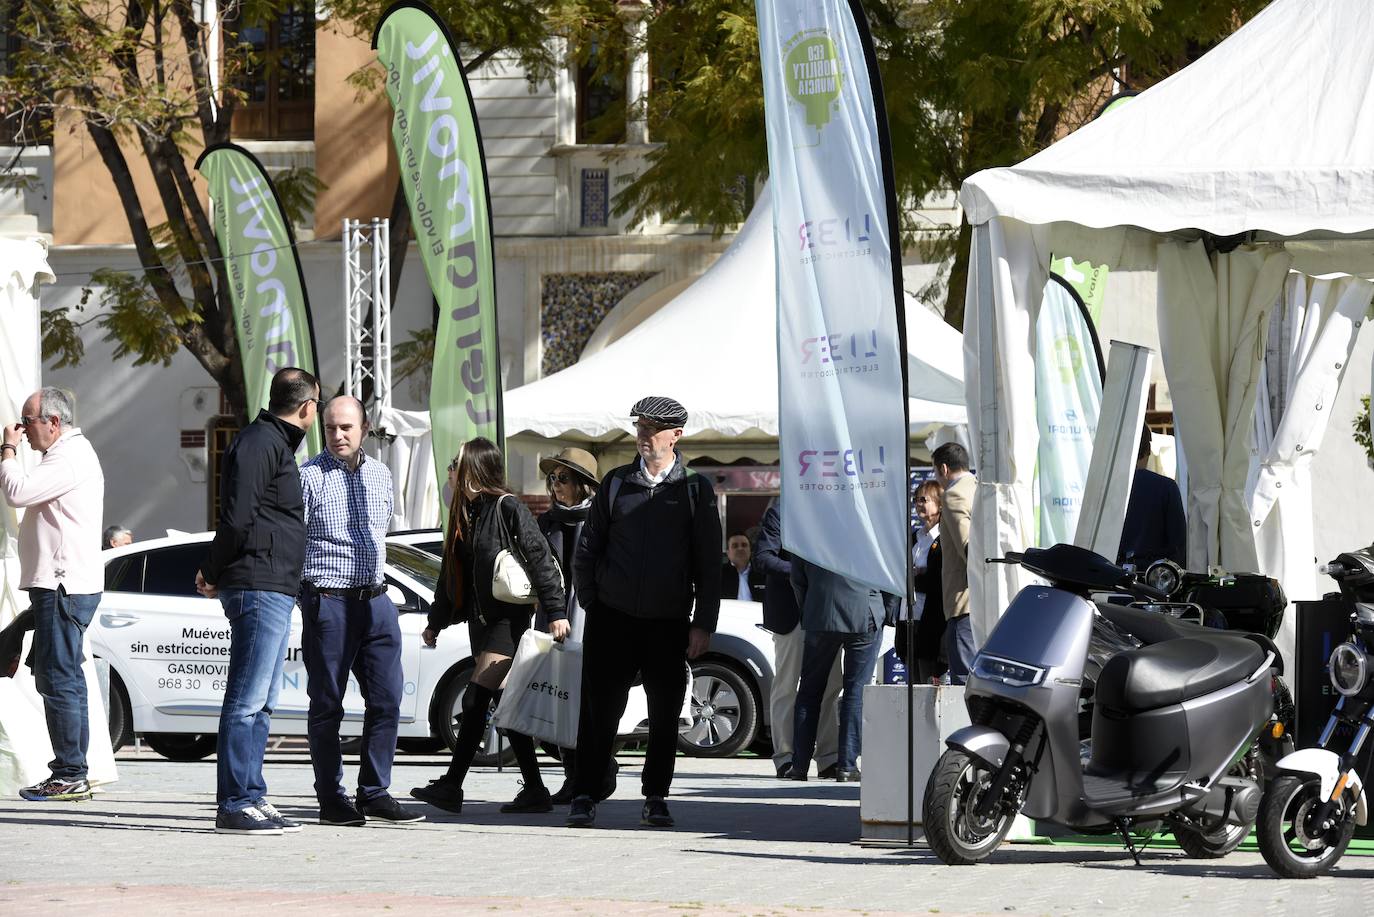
x=60 y=567
x=348 y=622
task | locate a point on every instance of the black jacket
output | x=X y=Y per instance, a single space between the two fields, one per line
x=477 y=551
x=655 y=551
x=729 y=582
x=780 y=614
x=1155 y=526
x=260 y=541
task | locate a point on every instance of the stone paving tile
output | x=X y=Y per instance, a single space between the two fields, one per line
x=745 y=844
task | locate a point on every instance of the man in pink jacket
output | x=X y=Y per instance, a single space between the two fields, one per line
x=60 y=567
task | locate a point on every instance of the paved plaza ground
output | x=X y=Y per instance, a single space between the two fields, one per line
x=746 y=844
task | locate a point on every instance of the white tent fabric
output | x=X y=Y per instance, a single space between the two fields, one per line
x=410 y=456
x=713 y=349
x=24 y=746
x=1213 y=319
x=1322 y=317
x=1271 y=132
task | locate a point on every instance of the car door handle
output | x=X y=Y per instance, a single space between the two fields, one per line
x=113 y=619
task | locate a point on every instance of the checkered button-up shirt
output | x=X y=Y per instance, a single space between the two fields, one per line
x=347 y=514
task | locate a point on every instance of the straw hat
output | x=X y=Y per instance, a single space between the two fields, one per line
x=579 y=461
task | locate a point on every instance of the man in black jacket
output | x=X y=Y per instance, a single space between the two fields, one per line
x=254 y=569
x=649 y=548
x=782 y=619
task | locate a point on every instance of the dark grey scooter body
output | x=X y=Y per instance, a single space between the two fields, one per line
x=1144 y=765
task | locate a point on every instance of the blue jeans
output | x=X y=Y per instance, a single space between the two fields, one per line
x=259 y=627
x=59 y=626
x=959 y=648
x=818 y=657
x=340 y=635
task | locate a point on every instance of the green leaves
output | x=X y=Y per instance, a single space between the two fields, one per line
x=137 y=320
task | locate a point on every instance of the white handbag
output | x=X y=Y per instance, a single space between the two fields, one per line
x=509 y=581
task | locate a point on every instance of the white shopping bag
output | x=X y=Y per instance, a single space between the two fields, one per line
x=543 y=693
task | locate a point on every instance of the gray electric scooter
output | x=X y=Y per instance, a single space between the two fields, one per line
x=1174 y=722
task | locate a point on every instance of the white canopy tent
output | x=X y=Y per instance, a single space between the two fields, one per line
x=713 y=348
x=1270 y=135
x=24 y=746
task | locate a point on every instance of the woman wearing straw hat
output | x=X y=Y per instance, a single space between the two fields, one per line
x=571 y=479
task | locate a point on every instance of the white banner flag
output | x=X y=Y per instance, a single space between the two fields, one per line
x=841 y=392
x=1068 y=397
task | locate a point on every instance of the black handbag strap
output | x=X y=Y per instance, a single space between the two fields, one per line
x=509 y=540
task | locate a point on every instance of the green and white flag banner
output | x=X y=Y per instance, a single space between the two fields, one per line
x=1068 y=399
x=266 y=286
x=444 y=175
x=841 y=384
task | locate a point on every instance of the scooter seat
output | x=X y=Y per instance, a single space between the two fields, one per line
x=1174 y=671
x=1150 y=627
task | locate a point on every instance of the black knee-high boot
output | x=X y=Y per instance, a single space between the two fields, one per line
x=523 y=746
x=476 y=703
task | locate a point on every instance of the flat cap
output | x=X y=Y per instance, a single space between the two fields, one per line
x=660 y=410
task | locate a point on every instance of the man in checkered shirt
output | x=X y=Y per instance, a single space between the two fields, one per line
x=348 y=622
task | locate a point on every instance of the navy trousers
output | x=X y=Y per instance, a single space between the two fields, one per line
x=339 y=636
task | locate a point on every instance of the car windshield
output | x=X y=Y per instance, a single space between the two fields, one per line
x=419 y=566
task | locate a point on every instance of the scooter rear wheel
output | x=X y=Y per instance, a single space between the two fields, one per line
x=954 y=830
x=1292 y=847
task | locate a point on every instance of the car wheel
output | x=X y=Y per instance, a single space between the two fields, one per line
x=450 y=715
x=179 y=746
x=725 y=712
x=121 y=714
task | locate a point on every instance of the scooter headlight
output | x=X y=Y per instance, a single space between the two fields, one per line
x=1349 y=668
x=1164 y=575
x=1007 y=671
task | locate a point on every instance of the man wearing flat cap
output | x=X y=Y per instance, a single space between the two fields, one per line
x=647 y=573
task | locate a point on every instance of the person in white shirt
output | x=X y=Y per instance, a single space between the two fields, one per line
x=61 y=568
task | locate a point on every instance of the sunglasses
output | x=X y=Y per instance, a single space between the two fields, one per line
x=560 y=477
x=30 y=421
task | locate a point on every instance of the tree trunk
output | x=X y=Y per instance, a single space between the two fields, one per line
x=957 y=288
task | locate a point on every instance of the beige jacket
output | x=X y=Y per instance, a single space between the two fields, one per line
x=955 y=518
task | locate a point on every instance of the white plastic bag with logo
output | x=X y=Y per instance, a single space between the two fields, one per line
x=543 y=692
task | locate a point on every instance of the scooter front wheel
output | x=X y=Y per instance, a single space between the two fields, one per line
x=954 y=829
x=1293 y=846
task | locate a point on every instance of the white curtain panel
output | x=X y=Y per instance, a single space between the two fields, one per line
x=1008 y=269
x=24 y=747
x=1213 y=318
x=1321 y=317
x=410 y=456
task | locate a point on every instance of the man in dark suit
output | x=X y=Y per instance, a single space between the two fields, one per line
x=781 y=618
x=841 y=619
x=1155 y=526
x=738 y=577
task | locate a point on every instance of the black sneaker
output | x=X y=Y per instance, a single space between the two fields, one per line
x=441 y=793
x=848 y=776
x=55 y=789
x=529 y=799
x=340 y=813
x=564 y=794
x=387 y=809
x=608 y=788
x=246 y=821
x=828 y=773
x=785 y=770
x=655 y=814
x=583 y=813
x=286 y=825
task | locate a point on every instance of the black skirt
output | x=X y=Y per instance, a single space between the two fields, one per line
x=500 y=634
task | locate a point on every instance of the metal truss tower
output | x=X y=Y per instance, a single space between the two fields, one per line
x=367 y=314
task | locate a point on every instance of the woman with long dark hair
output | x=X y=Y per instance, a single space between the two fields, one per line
x=925 y=635
x=476 y=535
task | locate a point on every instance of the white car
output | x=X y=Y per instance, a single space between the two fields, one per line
x=168 y=652
x=730 y=683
